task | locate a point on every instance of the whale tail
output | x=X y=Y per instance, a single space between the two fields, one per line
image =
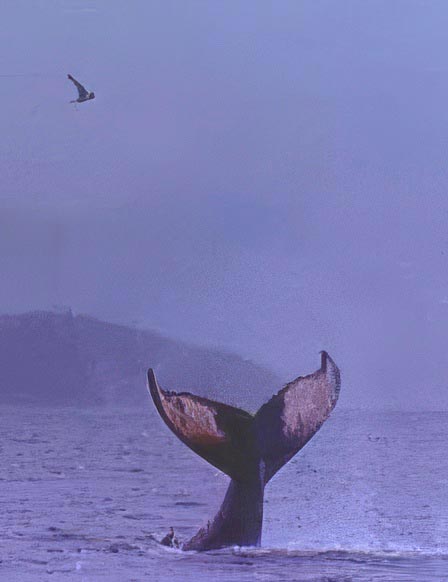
x=229 y=438
x=250 y=449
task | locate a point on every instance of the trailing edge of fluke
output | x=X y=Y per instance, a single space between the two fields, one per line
x=248 y=448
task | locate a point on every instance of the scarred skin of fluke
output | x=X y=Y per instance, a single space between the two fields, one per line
x=248 y=448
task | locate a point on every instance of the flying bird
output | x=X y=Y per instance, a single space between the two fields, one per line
x=83 y=94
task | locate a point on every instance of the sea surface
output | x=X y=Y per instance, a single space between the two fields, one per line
x=86 y=494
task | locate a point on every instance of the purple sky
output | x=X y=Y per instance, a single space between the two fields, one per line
x=270 y=177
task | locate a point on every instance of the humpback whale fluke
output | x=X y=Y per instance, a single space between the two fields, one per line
x=250 y=449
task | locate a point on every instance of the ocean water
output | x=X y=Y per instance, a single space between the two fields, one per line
x=85 y=494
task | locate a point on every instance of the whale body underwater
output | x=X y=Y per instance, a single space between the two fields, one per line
x=250 y=449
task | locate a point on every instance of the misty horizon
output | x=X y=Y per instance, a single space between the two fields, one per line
x=220 y=380
x=267 y=179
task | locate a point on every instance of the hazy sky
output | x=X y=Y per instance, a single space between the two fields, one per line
x=270 y=177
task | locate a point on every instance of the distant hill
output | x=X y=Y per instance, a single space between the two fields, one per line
x=51 y=358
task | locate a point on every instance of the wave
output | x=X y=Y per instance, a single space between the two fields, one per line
x=335 y=553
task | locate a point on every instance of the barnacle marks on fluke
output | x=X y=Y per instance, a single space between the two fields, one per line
x=250 y=449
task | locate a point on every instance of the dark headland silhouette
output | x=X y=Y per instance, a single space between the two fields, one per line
x=250 y=449
x=57 y=358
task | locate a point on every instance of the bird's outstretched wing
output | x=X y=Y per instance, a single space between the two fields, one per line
x=290 y=418
x=81 y=89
